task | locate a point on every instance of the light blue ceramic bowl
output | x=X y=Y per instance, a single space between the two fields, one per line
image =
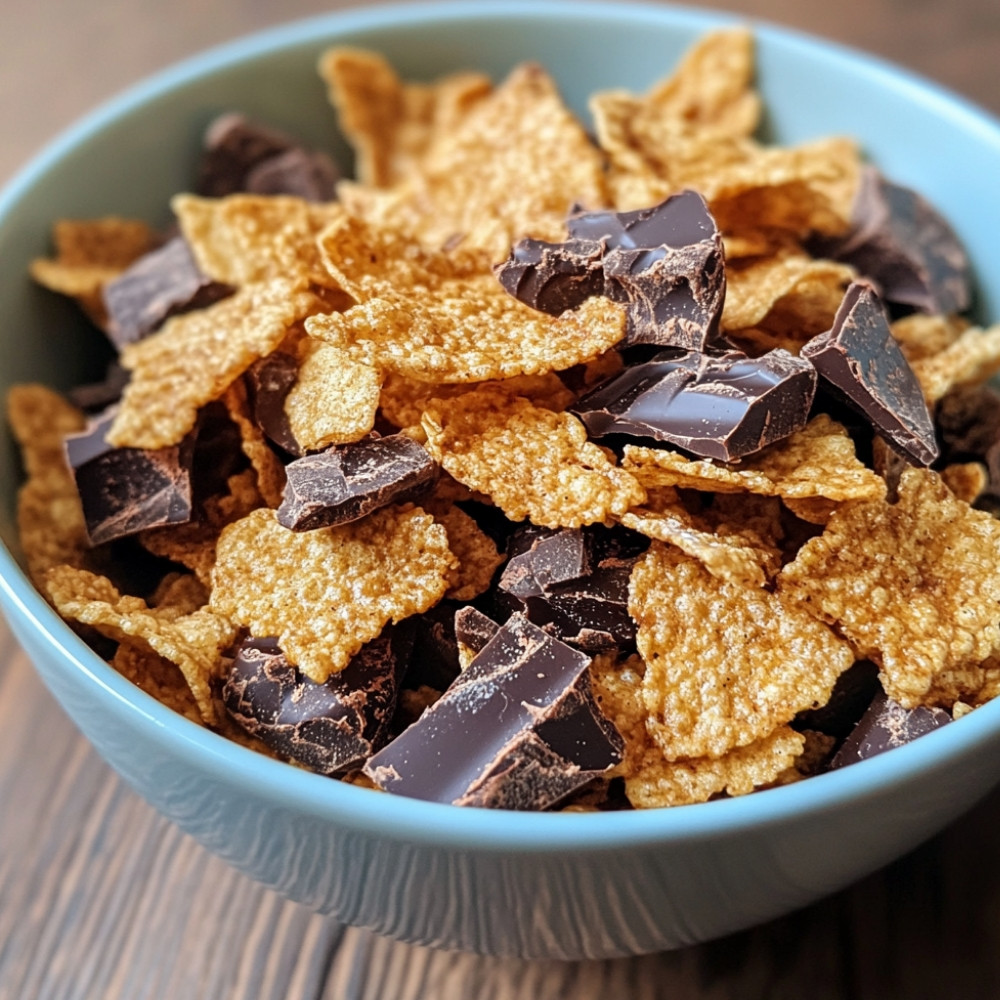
x=564 y=885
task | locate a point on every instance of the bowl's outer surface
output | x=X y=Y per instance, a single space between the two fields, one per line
x=565 y=886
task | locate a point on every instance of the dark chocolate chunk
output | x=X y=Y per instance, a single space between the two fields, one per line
x=329 y=727
x=239 y=151
x=849 y=699
x=722 y=407
x=519 y=729
x=96 y=396
x=269 y=381
x=903 y=244
x=473 y=629
x=861 y=361
x=434 y=660
x=158 y=285
x=125 y=490
x=553 y=557
x=665 y=262
x=885 y=725
x=344 y=483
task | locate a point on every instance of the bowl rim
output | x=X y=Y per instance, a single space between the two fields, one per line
x=429 y=823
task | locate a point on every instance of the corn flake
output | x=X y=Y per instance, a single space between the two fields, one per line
x=530 y=461
x=325 y=593
x=754 y=660
x=912 y=586
x=972 y=358
x=475 y=551
x=268 y=467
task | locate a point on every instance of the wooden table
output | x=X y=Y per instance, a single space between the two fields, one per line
x=101 y=899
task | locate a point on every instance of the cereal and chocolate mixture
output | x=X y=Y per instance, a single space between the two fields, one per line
x=546 y=463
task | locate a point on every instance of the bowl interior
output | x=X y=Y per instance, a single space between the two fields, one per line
x=130 y=156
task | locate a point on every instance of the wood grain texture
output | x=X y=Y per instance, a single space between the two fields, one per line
x=101 y=899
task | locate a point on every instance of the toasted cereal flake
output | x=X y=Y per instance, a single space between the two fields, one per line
x=530 y=461
x=392 y=125
x=972 y=358
x=922 y=336
x=90 y=252
x=811 y=290
x=817 y=461
x=334 y=399
x=266 y=464
x=512 y=167
x=815 y=510
x=325 y=593
x=475 y=551
x=966 y=480
x=403 y=400
x=754 y=660
x=193 y=642
x=195 y=357
x=617 y=688
x=244 y=239
x=913 y=586
x=659 y=782
x=158 y=677
x=193 y=544
x=179 y=593
x=50 y=519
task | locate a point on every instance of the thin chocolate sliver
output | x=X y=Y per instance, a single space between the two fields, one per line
x=715 y=406
x=126 y=490
x=347 y=482
x=863 y=363
x=158 y=285
x=329 y=727
x=519 y=729
x=269 y=381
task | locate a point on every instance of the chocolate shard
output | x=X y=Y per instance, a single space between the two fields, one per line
x=158 y=285
x=900 y=242
x=434 y=661
x=239 y=152
x=519 y=729
x=125 y=490
x=849 y=700
x=329 y=727
x=96 y=396
x=553 y=277
x=862 y=362
x=346 y=482
x=667 y=263
x=885 y=725
x=269 y=381
x=715 y=406
x=551 y=557
x=473 y=629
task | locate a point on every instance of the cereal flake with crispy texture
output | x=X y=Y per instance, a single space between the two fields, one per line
x=969 y=360
x=817 y=461
x=438 y=317
x=393 y=126
x=194 y=642
x=912 y=586
x=325 y=593
x=531 y=462
x=195 y=357
x=267 y=466
x=753 y=660
x=920 y=335
x=50 y=519
x=512 y=167
x=475 y=551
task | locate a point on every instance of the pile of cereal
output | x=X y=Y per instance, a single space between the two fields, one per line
x=528 y=470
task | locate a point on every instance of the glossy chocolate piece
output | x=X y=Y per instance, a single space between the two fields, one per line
x=126 y=490
x=240 y=153
x=862 y=362
x=158 y=285
x=722 y=406
x=269 y=381
x=884 y=726
x=665 y=262
x=519 y=729
x=905 y=246
x=329 y=727
x=473 y=629
x=434 y=661
x=551 y=557
x=344 y=483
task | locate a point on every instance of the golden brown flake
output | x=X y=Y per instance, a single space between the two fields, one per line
x=966 y=480
x=477 y=556
x=158 y=677
x=972 y=358
x=726 y=664
x=325 y=593
x=912 y=585
x=922 y=336
x=266 y=464
x=195 y=357
x=530 y=461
